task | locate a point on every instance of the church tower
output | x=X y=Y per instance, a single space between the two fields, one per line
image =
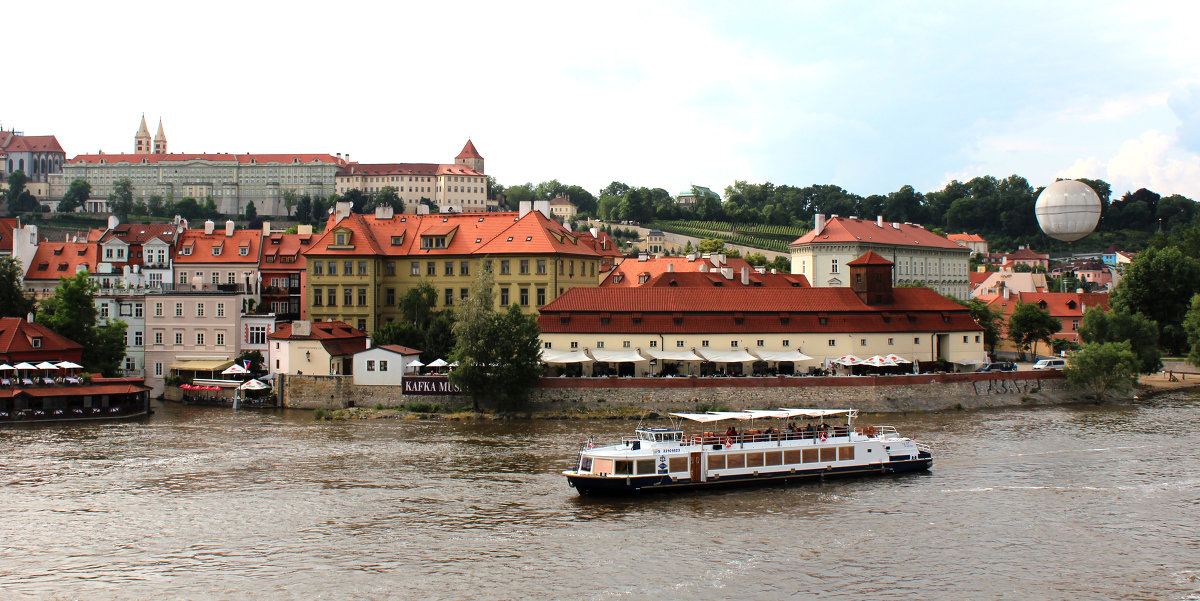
x=141 y=141
x=469 y=157
x=160 y=139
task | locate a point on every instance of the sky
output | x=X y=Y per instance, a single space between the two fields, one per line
x=870 y=96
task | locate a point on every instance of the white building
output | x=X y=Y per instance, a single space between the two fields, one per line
x=383 y=365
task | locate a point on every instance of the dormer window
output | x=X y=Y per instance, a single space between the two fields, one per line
x=216 y=250
x=243 y=250
x=428 y=242
x=57 y=251
x=187 y=250
x=341 y=238
x=35 y=342
x=397 y=240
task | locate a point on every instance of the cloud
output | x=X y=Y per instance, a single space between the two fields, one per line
x=1153 y=160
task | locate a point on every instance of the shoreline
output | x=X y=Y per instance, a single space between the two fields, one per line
x=1156 y=384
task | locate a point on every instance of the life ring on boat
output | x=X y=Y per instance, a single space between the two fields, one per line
x=824 y=436
x=728 y=441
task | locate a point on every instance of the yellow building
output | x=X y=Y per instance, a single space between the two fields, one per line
x=360 y=268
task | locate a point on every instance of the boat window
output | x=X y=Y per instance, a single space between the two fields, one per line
x=810 y=455
x=716 y=462
x=735 y=461
x=602 y=466
x=645 y=466
x=623 y=468
x=773 y=458
x=791 y=456
x=585 y=464
x=845 y=453
x=678 y=464
x=754 y=459
x=828 y=454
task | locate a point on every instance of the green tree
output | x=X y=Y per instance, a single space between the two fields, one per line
x=1160 y=284
x=988 y=318
x=1191 y=325
x=1116 y=325
x=439 y=337
x=403 y=333
x=417 y=304
x=255 y=358
x=388 y=195
x=1029 y=324
x=13 y=302
x=290 y=200
x=77 y=193
x=1103 y=368
x=710 y=246
x=71 y=313
x=19 y=199
x=498 y=354
x=251 y=211
x=120 y=201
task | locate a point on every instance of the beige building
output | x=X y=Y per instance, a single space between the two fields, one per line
x=460 y=187
x=562 y=208
x=315 y=348
x=188 y=325
x=920 y=256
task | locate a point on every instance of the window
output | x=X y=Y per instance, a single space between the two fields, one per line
x=389 y=268
x=833 y=266
x=504 y=297
x=220 y=309
x=383 y=365
x=524 y=297
x=362 y=268
x=347 y=297
x=416 y=268
x=760 y=343
x=678 y=344
x=977 y=339
x=541 y=267
x=257 y=335
x=243 y=250
x=704 y=343
x=178 y=338
x=362 y=324
x=199 y=309
x=158 y=338
x=158 y=369
x=317 y=301
x=463 y=293
x=891 y=341
x=362 y=297
x=916 y=341
x=449 y=297
x=524 y=267
x=333 y=268
x=178 y=309
x=231 y=278
x=348 y=268
x=449 y=268
x=464 y=268
x=183 y=277
x=541 y=296
x=862 y=342
x=137 y=309
x=104 y=310
x=733 y=344
x=787 y=343
x=965 y=339
x=504 y=267
x=832 y=342
x=220 y=338
x=389 y=296
x=370 y=365
x=318 y=268
x=158 y=309
x=574 y=344
x=547 y=345
x=1074 y=325
x=599 y=344
x=137 y=338
x=216 y=278
x=199 y=338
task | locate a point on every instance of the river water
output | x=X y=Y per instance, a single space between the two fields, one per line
x=1087 y=502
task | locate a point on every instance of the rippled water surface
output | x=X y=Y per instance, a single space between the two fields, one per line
x=1093 y=502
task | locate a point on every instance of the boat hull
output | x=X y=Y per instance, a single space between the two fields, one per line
x=587 y=484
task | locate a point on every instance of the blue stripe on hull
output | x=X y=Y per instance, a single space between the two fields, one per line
x=610 y=485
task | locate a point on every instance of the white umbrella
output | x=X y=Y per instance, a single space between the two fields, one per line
x=416 y=363
x=66 y=365
x=848 y=360
x=438 y=363
x=47 y=365
x=235 y=369
x=6 y=367
x=24 y=365
x=455 y=364
x=253 y=385
x=894 y=358
x=877 y=361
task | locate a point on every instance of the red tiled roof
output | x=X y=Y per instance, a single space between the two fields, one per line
x=845 y=229
x=627 y=273
x=321 y=330
x=374 y=169
x=601 y=243
x=715 y=279
x=279 y=245
x=469 y=152
x=7 y=225
x=762 y=300
x=870 y=258
x=977 y=277
x=78 y=390
x=396 y=348
x=15 y=335
x=139 y=233
x=965 y=238
x=15 y=143
x=241 y=159
x=202 y=246
x=1026 y=253
x=728 y=322
x=1056 y=302
x=55 y=260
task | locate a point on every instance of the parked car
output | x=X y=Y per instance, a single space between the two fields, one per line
x=1050 y=364
x=998 y=366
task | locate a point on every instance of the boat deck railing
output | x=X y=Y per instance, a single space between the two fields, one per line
x=838 y=433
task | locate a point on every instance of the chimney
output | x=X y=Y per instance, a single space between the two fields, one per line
x=302 y=328
x=29 y=317
x=745 y=276
x=229 y=228
x=721 y=258
x=384 y=212
x=595 y=232
x=544 y=207
x=208 y=227
x=113 y=222
x=820 y=224
x=691 y=257
x=670 y=268
x=305 y=229
x=524 y=208
x=197 y=281
x=1006 y=292
x=643 y=257
x=368 y=342
x=727 y=272
x=266 y=228
x=879 y=221
x=342 y=210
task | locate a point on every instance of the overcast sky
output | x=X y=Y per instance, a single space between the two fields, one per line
x=866 y=95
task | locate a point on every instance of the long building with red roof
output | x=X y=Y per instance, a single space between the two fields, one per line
x=746 y=324
x=1067 y=307
x=692 y=270
x=455 y=188
x=363 y=264
x=231 y=180
x=921 y=257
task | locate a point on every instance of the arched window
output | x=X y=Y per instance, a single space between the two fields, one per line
x=21 y=163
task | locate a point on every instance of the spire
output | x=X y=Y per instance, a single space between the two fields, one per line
x=160 y=135
x=469 y=152
x=160 y=140
x=143 y=130
x=141 y=140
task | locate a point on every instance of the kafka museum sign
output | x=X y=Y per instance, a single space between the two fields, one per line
x=428 y=385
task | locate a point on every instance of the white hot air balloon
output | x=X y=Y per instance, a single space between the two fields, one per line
x=1068 y=210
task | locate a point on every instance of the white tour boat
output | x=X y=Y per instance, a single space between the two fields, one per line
x=812 y=443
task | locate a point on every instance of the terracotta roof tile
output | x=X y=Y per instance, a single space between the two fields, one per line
x=15 y=143
x=764 y=300
x=870 y=258
x=202 y=247
x=845 y=229
x=55 y=260
x=15 y=335
x=469 y=152
x=429 y=169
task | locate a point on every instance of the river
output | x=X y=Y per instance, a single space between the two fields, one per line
x=1076 y=502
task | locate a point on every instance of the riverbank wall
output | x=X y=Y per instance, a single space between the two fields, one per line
x=883 y=394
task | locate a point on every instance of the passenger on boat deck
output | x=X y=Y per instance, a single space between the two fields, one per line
x=731 y=431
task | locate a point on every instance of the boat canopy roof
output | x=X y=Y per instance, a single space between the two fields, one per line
x=716 y=416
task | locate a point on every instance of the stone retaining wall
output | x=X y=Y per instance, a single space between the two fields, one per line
x=925 y=392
